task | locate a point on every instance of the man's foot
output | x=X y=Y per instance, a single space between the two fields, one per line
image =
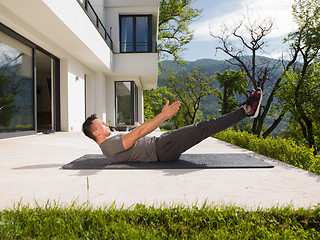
x=253 y=103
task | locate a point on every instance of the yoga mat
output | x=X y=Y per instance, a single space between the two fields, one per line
x=186 y=161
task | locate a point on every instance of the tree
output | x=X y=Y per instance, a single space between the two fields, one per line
x=155 y=99
x=191 y=89
x=232 y=82
x=299 y=94
x=304 y=43
x=174 y=20
x=243 y=42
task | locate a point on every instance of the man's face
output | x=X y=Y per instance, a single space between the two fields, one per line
x=102 y=129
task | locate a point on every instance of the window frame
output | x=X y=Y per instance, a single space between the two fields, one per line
x=133 y=102
x=134 y=32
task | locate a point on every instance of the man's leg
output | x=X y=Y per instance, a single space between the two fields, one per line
x=170 y=145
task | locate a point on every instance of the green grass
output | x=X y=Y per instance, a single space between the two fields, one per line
x=141 y=222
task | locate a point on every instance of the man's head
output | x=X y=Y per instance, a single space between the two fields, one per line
x=95 y=129
x=88 y=127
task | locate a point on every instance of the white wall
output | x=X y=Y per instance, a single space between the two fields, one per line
x=100 y=102
x=100 y=98
x=110 y=98
x=141 y=65
x=73 y=103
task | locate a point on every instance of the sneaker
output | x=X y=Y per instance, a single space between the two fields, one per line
x=254 y=102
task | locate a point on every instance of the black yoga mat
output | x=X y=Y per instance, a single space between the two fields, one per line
x=97 y=161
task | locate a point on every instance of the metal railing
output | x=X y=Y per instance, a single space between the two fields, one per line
x=96 y=21
x=138 y=47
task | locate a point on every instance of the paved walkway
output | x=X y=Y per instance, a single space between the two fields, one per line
x=30 y=170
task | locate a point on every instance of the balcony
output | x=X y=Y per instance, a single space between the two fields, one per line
x=96 y=21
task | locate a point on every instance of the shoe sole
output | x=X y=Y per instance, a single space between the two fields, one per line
x=258 y=108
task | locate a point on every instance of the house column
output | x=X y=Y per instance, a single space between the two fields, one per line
x=64 y=88
x=111 y=109
x=100 y=96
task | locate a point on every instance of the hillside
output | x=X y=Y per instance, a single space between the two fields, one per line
x=211 y=66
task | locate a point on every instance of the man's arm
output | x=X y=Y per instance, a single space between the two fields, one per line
x=168 y=112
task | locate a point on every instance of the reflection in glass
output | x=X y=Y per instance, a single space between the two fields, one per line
x=16 y=86
x=126 y=103
x=142 y=34
x=123 y=102
x=126 y=34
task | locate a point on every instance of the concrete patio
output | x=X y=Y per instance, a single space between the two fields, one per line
x=30 y=170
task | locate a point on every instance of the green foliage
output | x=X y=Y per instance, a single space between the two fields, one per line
x=244 y=125
x=191 y=89
x=300 y=95
x=306 y=14
x=141 y=222
x=232 y=82
x=294 y=132
x=174 y=19
x=154 y=101
x=277 y=148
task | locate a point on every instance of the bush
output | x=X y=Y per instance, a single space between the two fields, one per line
x=277 y=148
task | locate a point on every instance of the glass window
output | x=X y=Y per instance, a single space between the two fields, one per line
x=126 y=103
x=135 y=34
x=142 y=34
x=16 y=86
x=126 y=34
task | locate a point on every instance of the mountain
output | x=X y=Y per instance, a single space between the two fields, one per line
x=211 y=66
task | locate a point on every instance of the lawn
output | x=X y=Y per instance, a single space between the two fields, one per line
x=176 y=222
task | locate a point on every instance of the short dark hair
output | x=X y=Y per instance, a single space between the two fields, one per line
x=88 y=128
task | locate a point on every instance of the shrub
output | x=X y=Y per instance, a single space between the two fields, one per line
x=277 y=148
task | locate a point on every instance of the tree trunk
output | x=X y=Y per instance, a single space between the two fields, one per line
x=273 y=126
x=224 y=101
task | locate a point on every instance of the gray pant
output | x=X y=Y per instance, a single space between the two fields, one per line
x=170 y=145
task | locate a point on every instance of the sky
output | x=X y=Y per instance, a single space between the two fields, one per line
x=217 y=12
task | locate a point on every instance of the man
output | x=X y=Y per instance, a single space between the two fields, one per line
x=135 y=146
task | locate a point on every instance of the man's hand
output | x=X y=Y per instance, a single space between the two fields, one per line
x=170 y=110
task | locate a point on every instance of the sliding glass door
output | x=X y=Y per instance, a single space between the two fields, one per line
x=16 y=86
x=29 y=87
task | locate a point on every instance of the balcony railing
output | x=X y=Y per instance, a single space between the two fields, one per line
x=96 y=21
x=138 y=47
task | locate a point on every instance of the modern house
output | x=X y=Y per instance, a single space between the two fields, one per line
x=62 y=60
